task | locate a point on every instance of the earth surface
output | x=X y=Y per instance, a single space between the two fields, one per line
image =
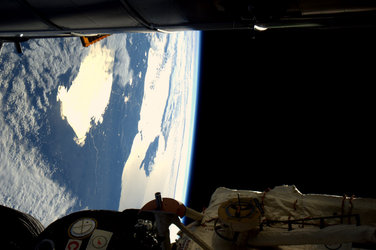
x=103 y=127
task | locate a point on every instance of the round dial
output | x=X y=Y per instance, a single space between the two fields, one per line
x=82 y=227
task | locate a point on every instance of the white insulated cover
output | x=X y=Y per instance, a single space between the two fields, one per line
x=286 y=203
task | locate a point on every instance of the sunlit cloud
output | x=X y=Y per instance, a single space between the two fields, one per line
x=26 y=82
x=123 y=73
x=156 y=89
x=126 y=99
x=165 y=115
x=85 y=102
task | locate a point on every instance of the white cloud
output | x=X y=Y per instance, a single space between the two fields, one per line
x=26 y=183
x=122 y=70
x=27 y=81
x=168 y=116
x=156 y=90
x=86 y=100
x=183 y=107
x=26 y=84
x=126 y=99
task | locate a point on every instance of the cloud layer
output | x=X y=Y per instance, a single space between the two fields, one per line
x=26 y=182
x=27 y=85
x=85 y=102
x=122 y=72
x=165 y=117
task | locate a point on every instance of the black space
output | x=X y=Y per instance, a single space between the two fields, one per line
x=286 y=107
